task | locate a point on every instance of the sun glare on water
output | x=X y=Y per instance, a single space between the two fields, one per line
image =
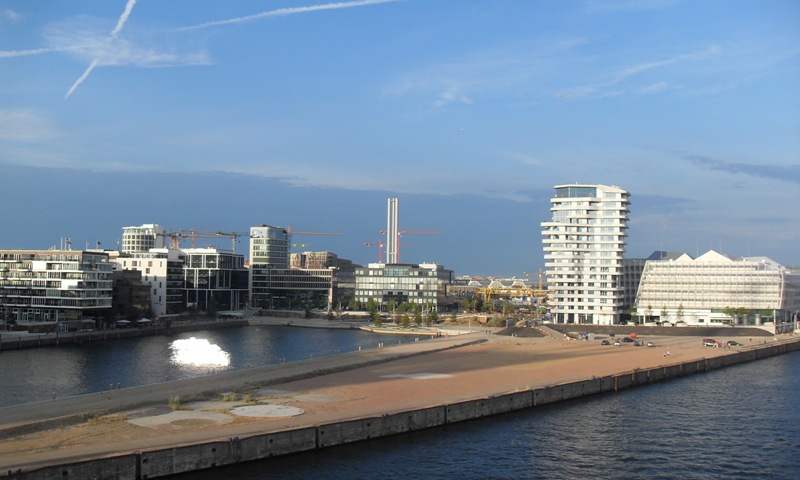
x=198 y=352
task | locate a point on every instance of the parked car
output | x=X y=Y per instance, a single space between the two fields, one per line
x=734 y=343
x=637 y=343
x=651 y=344
x=605 y=342
x=710 y=342
x=627 y=339
x=617 y=344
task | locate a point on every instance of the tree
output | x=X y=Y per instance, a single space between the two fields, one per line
x=354 y=305
x=663 y=315
x=405 y=322
x=679 y=313
x=376 y=319
x=431 y=318
x=372 y=306
x=454 y=316
x=391 y=305
x=648 y=313
x=633 y=311
x=418 y=316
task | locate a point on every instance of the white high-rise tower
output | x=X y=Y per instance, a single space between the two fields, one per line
x=392 y=232
x=584 y=244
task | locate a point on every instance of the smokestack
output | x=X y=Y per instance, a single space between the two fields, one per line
x=392 y=232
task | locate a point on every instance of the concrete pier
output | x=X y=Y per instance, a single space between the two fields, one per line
x=355 y=397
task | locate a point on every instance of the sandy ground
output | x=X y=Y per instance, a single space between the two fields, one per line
x=495 y=366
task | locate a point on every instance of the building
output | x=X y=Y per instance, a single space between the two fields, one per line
x=584 y=244
x=65 y=287
x=214 y=279
x=131 y=299
x=162 y=270
x=269 y=249
x=313 y=260
x=715 y=289
x=425 y=284
x=302 y=287
x=141 y=239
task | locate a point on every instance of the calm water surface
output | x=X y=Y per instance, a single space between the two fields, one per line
x=37 y=374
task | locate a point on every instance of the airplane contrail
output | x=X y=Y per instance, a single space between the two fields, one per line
x=25 y=53
x=287 y=11
x=120 y=23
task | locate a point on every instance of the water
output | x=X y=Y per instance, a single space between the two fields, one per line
x=38 y=374
x=737 y=423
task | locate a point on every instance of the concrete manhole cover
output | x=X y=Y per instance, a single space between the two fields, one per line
x=266 y=411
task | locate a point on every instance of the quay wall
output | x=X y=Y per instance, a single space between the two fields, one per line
x=164 y=462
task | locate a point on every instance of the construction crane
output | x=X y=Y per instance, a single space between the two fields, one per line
x=541 y=283
x=291 y=232
x=409 y=232
x=380 y=249
x=380 y=246
x=234 y=236
x=174 y=239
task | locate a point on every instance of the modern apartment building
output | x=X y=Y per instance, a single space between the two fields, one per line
x=706 y=290
x=584 y=244
x=214 y=278
x=269 y=249
x=424 y=284
x=54 y=286
x=141 y=239
x=162 y=271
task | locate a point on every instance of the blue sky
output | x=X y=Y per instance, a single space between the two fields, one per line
x=314 y=113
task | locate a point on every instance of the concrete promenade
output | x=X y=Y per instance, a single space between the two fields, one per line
x=341 y=388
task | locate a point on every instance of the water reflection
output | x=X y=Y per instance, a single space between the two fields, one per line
x=198 y=352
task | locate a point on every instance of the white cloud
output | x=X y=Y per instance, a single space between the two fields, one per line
x=24 y=125
x=10 y=15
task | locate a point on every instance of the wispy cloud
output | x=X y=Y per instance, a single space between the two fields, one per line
x=286 y=11
x=9 y=14
x=24 y=125
x=611 y=84
x=120 y=23
x=504 y=70
x=786 y=173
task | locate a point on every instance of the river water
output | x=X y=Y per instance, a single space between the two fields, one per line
x=735 y=423
x=38 y=374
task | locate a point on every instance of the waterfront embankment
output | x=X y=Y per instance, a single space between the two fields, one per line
x=341 y=399
x=20 y=340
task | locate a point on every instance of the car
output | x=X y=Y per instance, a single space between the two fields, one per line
x=734 y=343
x=651 y=344
x=637 y=343
x=617 y=344
x=627 y=339
x=710 y=342
x=605 y=342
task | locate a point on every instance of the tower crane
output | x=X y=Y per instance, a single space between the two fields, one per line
x=234 y=236
x=409 y=232
x=291 y=232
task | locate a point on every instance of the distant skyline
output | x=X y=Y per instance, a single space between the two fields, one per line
x=314 y=113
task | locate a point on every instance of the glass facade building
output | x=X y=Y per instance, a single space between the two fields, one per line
x=424 y=284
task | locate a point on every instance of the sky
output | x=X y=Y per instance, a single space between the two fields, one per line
x=225 y=115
